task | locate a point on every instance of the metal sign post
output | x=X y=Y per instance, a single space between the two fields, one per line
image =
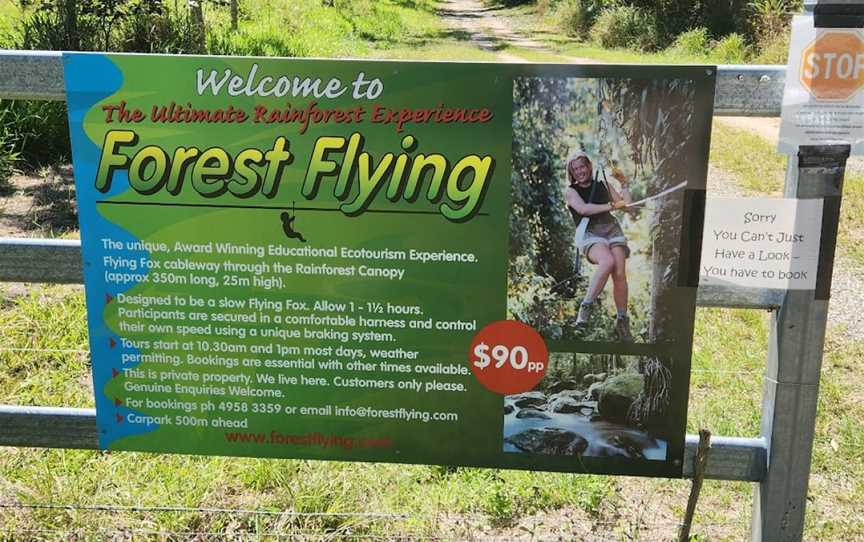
x=795 y=360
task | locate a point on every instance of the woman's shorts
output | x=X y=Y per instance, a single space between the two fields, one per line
x=609 y=234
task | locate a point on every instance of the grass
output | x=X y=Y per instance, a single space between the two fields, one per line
x=731 y=366
x=42 y=327
x=351 y=29
x=9 y=14
x=852 y=219
x=564 y=51
x=387 y=29
x=754 y=162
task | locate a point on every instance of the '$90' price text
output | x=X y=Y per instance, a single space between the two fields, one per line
x=517 y=357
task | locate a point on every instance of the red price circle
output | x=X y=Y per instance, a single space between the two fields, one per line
x=508 y=357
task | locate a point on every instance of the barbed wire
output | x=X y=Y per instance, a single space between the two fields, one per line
x=728 y=371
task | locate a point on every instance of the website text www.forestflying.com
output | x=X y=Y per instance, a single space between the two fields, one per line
x=338 y=441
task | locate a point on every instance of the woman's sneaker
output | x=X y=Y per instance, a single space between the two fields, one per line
x=584 y=315
x=622 y=329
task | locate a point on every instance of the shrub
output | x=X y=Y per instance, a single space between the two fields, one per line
x=546 y=6
x=152 y=29
x=625 y=26
x=730 y=50
x=692 y=43
x=372 y=22
x=257 y=41
x=8 y=156
x=56 y=29
x=109 y=25
x=575 y=16
x=37 y=132
x=775 y=51
x=770 y=18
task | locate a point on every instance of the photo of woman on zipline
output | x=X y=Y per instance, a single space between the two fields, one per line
x=590 y=200
x=599 y=175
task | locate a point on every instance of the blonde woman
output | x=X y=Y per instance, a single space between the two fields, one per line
x=603 y=241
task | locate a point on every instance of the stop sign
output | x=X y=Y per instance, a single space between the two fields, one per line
x=832 y=67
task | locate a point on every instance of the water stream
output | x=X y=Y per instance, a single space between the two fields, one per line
x=598 y=433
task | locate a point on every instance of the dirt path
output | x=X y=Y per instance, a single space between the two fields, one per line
x=39 y=204
x=489 y=30
x=481 y=26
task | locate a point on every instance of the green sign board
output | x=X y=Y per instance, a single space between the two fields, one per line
x=444 y=263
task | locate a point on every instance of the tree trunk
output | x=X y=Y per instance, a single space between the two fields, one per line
x=196 y=11
x=71 y=20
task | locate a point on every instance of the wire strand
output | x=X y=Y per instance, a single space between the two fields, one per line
x=116 y=508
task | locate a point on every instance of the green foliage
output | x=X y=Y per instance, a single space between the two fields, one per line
x=37 y=132
x=160 y=31
x=759 y=21
x=696 y=44
x=729 y=348
x=627 y=27
x=775 y=50
x=81 y=25
x=40 y=129
x=692 y=42
x=258 y=40
x=505 y=496
x=770 y=18
x=574 y=367
x=731 y=49
x=669 y=17
x=546 y=6
x=8 y=157
x=575 y=17
x=674 y=17
x=10 y=145
x=370 y=21
x=48 y=323
x=538 y=177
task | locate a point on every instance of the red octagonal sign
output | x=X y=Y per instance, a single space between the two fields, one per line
x=832 y=67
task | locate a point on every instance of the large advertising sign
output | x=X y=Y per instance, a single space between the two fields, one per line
x=443 y=263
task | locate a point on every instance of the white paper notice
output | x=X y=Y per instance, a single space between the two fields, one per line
x=761 y=242
x=822 y=100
